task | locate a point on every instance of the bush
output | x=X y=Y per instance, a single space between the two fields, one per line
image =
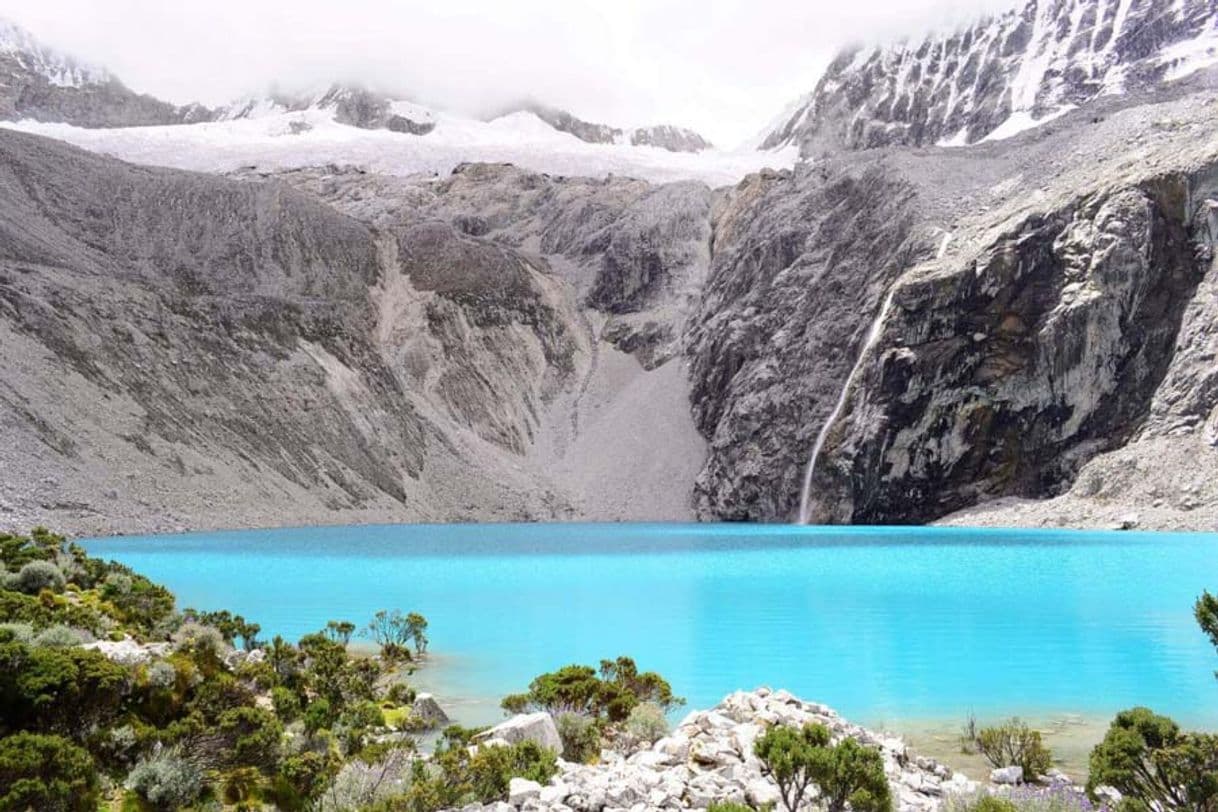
x=581 y=741
x=57 y=637
x=162 y=675
x=166 y=781
x=1014 y=744
x=198 y=639
x=846 y=773
x=35 y=577
x=611 y=694
x=47 y=773
x=286 y=703
x=646 y=723
x=1151 y=762
x=981 y=803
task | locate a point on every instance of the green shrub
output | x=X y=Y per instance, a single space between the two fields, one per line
x=35 y=577
x=286 y=703
x=846 y=773
x=611 y=694
x=1014 y=744
x=981 y=803
x=646 y=723
x=1154 y=764
x=581 y=741
x=166 y=781
x=46 y=773
x=318 y=716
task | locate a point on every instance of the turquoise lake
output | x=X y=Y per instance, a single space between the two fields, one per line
x=881 y=623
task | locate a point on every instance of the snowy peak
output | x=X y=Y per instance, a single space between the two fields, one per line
x=42 y=84
x=1003 y=75
x=348 y=104
x=20 y=46
x=664 y=136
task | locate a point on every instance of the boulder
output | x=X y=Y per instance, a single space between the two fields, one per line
x=521 y=790
x=535 y=727
x=1007 y=775
x=127 y=651
x=426 y=709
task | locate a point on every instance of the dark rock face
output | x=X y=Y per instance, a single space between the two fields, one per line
x=801 y=262
x=653 y=248
x=1032 y=62
x=1001 y=378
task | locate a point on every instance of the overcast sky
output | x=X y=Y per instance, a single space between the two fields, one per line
x=723 y=67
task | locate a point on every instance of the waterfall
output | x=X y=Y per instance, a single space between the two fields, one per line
x=873 y=335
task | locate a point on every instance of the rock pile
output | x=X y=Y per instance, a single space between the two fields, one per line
x=709 y=758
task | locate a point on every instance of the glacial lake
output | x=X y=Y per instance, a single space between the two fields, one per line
x=883 y=624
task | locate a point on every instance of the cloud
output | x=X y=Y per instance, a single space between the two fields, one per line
x=723 y=67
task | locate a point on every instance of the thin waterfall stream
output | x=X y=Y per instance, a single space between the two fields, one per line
x=873 y=335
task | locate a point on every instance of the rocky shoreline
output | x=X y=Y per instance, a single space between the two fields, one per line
x=708 y=758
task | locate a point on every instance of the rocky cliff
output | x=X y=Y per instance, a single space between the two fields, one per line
x=1002 y=74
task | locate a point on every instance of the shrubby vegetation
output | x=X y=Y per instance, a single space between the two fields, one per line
x=844 y=773
x=204 y=712
x=1151 y=761
x=1012 y=744
x=590 y=704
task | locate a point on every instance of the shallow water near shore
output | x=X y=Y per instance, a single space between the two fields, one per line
x=908 y=628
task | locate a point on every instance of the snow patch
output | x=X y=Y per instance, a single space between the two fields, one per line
x=1023 y=120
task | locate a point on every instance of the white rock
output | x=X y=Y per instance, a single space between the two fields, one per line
x=124 y=652
x=535 y=727
x=521 y=790
x=1007 y=775
x=760 y=792
x=554 y=794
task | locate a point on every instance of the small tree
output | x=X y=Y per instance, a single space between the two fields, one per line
x=846 y=773
x=1014 y=744
x=392 y=631
x=786 y=756
x=417 y=624
x=340 y=631
x=1155 y=765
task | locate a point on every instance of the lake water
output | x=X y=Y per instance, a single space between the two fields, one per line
x=882 y=623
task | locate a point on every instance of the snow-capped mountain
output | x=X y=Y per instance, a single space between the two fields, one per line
x=58 y=69
x=40 y=83
x=664 y=136
x=348 y=104
x=1003 y=75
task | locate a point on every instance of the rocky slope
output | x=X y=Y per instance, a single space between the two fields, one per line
x=185 y=350
x=1002 y=74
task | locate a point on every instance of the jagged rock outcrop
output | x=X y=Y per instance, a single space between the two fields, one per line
x=709 y=759
x=41 y=84
x=1001 y=74
x=1046 y=299
x=999 y=376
